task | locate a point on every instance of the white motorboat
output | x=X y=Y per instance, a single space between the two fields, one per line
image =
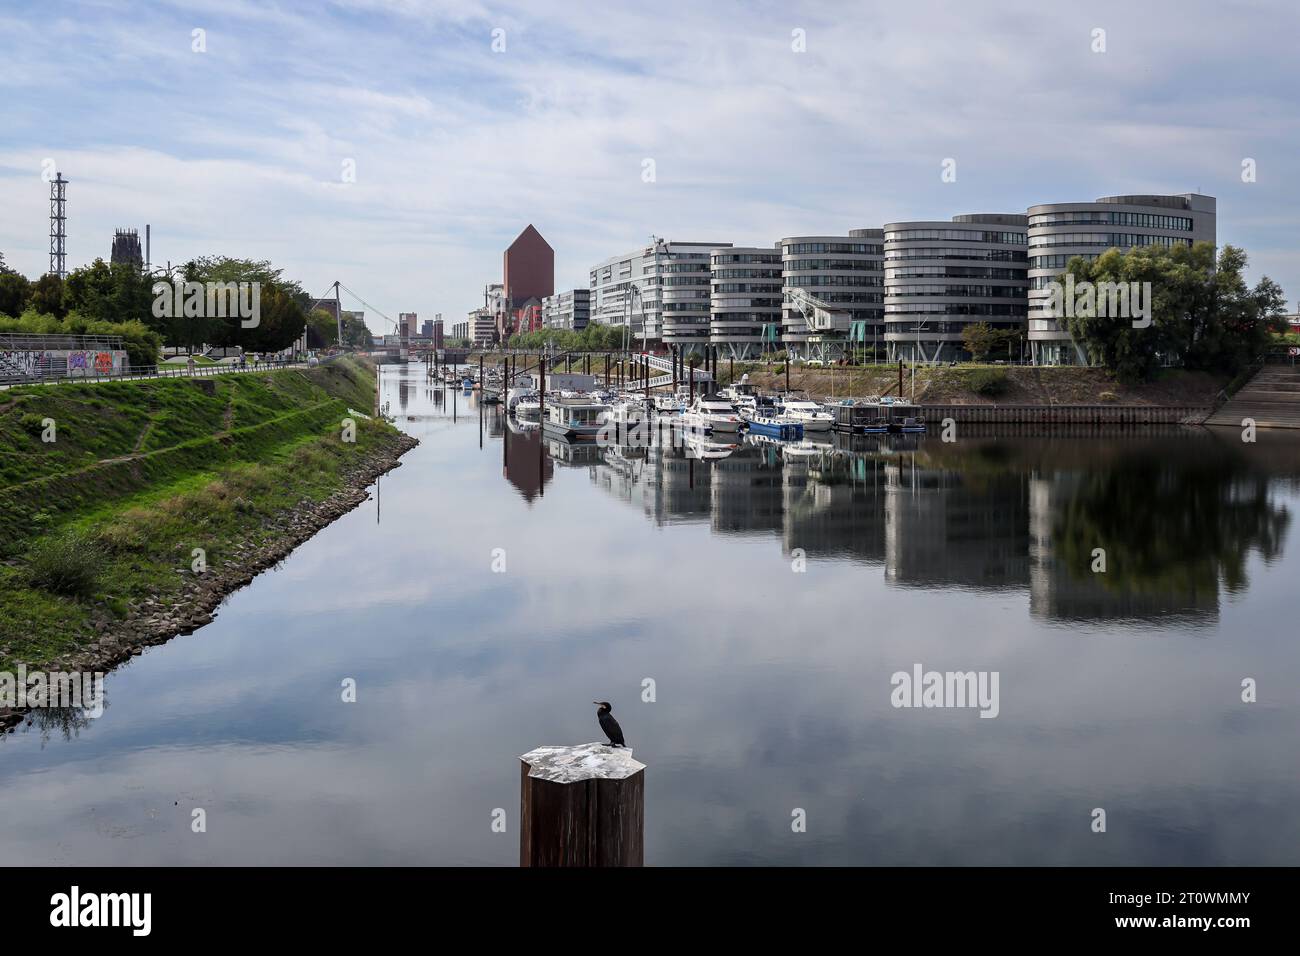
x=528 y=407
x=525 y=387
x=627 y=411
x=712 y=414
x=807 y=413
x=666 y=404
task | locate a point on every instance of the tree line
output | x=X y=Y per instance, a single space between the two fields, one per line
x=122 y=299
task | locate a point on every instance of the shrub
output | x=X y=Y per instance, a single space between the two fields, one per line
x=32 y=424
x=989 y=382
x=67 y=563
x=1108 y=397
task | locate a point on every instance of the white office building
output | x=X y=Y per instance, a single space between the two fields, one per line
x=1060 y=231
x=659 y=293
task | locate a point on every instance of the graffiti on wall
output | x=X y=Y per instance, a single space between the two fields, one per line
x=91 y=362
x=20 y=362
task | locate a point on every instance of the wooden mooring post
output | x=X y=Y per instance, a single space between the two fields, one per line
x=581 y=805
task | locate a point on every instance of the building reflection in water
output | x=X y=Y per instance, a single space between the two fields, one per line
x=525 y=462
x=1177 y=516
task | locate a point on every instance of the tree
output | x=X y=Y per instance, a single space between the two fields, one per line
x=48 y=296
x=979 y=339
x=1201 y=314
x=282 y=305
x=15 y=293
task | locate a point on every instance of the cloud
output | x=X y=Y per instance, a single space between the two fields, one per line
x=239 y=150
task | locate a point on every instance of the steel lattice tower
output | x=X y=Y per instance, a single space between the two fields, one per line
x=58 y=226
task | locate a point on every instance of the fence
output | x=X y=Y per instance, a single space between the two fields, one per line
x=129 y=373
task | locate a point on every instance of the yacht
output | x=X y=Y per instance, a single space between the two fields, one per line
x=666 y=404
x=525 y=387
x=807 y=413
x=627 y=411
x=711 y=414
x=530 y=406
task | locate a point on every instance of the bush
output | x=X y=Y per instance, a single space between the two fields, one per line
x=68 y=563
x=32 y=424
x=989 y=382
x=1108 y=397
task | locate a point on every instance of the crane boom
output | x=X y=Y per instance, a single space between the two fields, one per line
x=820 y=316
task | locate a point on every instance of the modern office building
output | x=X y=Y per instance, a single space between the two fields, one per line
x=460 y=331
x=569 y=310
x=660 y=292
x=1060 y=231
x=745 y=297
x=943 y=276
x=847 y=274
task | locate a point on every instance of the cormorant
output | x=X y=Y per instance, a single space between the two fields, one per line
x=604 y=713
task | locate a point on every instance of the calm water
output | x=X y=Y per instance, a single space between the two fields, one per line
x=1119 y=690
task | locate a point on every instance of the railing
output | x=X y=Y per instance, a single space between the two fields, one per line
x=137 y=372
x=33 y=342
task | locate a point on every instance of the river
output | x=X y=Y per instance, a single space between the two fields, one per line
x=496 y=584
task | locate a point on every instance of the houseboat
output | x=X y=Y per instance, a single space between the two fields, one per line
x=574 y=419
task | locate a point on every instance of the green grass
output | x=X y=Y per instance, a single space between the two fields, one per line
x=243 y=450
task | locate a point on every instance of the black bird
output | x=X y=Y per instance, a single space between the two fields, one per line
x=604 y=713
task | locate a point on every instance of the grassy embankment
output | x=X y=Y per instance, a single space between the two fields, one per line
x=140 y=473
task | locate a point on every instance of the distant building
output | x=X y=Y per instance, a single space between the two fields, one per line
x=569 y=310
x=660 y=291
x=436 y=333
x=527 y=316
x=482 y=328
x=426 y=329
x=460 y=331
x=528 y=269
x=126 y=248
x=406 y=324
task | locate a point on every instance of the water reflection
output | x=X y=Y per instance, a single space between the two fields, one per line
x=773 y=687
x=1177 y=516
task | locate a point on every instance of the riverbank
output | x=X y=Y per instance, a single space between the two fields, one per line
x=194 y=488
x=964 y=384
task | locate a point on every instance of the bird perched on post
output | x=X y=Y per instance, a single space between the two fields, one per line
x=604 y=713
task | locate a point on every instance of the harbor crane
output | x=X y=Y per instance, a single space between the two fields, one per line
x=818 y=315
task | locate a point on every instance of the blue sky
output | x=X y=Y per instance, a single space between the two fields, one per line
x=240 y=150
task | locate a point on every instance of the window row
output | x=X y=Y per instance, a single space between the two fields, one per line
x=961 y=235
x=1083 y=218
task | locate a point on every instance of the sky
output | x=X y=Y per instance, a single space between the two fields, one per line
x=400 y=145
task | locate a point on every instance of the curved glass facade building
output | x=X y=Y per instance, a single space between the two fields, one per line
x=745 y=301
x=846 y=273
x=943 y=276
x=1060 y=231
